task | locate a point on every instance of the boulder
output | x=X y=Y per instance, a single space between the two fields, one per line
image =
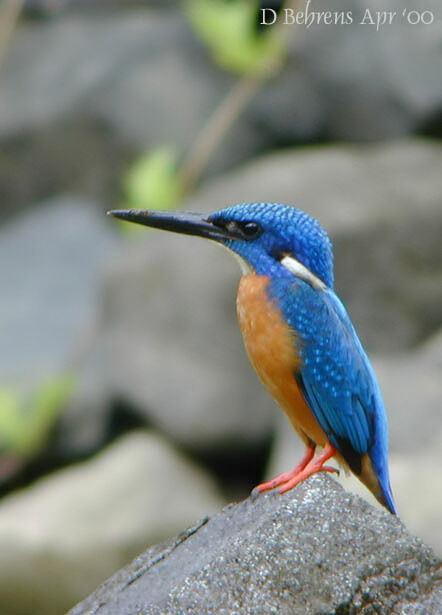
x=412 y=388
x=174 y=349
x=314 y=551
x=121 y=74
x=52 y=260
x=84 y=93
x=413 y=407
x=353 y=81
x=67 y=532
x=49 y=8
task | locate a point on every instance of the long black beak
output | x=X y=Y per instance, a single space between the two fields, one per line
x=184 y=222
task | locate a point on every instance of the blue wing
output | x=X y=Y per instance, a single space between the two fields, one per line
x=336 y=377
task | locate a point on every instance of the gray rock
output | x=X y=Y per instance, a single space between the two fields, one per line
x=84 y=93
x=381 y=205
x=419 y=500
x=174 y=349
x=40 y=8
x=412 y=478
x=316 y=550
x=78 y=156
x=45 y=8
x=351 y=82
x=85 y=425
x=412 y=388
x=413 y=405
x=26 y=74
x=81 y=95
x=51 y=262
x=66 y=533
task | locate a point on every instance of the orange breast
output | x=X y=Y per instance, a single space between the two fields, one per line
x=271 y=347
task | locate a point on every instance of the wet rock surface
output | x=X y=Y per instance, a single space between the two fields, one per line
x=316 y=550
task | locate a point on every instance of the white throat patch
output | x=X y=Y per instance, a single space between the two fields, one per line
x=301 y=271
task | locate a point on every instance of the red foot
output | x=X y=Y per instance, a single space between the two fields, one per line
x=284 y=478
x=307 y=467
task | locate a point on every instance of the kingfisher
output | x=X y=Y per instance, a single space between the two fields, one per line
x=298 y=336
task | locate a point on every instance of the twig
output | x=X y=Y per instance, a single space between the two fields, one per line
x=216 y=128
x=228 y=112
x=9 y=14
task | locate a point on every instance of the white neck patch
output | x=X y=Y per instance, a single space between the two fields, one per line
x=301 y=271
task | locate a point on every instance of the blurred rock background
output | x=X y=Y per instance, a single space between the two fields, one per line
x=128 y=409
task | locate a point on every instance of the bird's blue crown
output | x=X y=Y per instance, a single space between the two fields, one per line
x=271 y=231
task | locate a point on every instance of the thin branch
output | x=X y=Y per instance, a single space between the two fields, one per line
x=9 y=14
x=229 y=110
x=216 y=128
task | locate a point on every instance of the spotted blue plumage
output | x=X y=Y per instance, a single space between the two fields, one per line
x=336 y=378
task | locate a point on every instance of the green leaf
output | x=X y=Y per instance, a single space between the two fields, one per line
x=26 y=422
x=10 y=418
x=228 y=29
x=153 y=182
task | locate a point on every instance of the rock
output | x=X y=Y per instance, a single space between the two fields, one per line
x=122 y=69
x=43 y=8
x=391 y=90
x=51 y=263
x=413 y=407
x=174 y=350
x=418 y=498
x=77 y=157
x=386 y=230
x=70 y=38
x=316 y=550
x=121 y=73
x=417 y=398
x=48 y=8
x=66 y=533
x=174 y=347
x=412 y=478
x=86 y=423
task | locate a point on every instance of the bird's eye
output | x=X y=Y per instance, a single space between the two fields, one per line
x=251 y=230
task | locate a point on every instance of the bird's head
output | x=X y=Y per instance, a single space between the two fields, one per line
x=269 y=238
